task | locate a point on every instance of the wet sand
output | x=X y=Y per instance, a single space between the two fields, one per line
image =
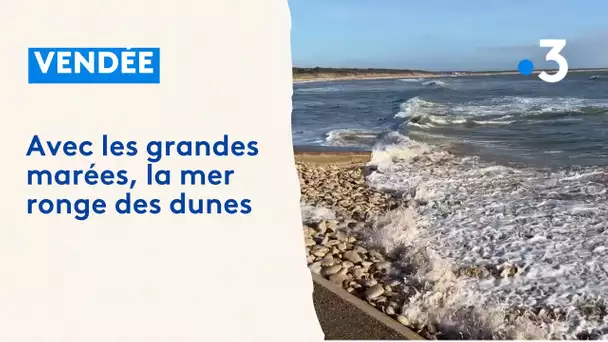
x=339 y=157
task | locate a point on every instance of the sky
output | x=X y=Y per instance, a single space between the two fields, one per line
x=446 y=35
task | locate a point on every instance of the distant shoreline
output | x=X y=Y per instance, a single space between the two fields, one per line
x=305 y=75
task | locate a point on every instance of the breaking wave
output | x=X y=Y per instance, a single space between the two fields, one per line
x=497 y=252
x=498 y=111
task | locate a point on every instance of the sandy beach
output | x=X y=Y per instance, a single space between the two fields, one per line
x=380 y=76
x=370 y=76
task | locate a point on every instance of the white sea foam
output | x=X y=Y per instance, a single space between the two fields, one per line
x=312 y=214
x=549 y=229
x=496 y=111
x=427 y=114
x=435 y=83
x=412 y=80
x=529 y=106
x=418 y=106
x=351 y=137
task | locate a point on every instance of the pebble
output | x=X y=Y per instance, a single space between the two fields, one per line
x=315 y=267
x=341 y=236
x=359 y=273
x=374 y=291
x=403 y=320
x=347 y=264
x=369 y=282
x=332 y=243
x=360 y=250
x=321 y=227
x=366 y=264
x=338 y=278
x=331 y=225
x=389 y=310
x=352 y=256
x=319 y=251
x=328 y=260
x=329 y=270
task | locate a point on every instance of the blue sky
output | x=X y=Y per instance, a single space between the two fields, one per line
x=446 y=34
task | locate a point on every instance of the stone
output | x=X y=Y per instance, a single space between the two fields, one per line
x=329 y=270
x=359 y=273
x=315 y=267
x=309 y=242
x=309 y=231
x=370 y=282
x=401 y=319
x=341 y=236
x=332 y=243
x=327 y=260
x=319 y=251
x=322 y=240
x=331 y=225
x=366 y=264
x=376 y=256
x=374 y=291
x=347 y=264
x=360 y=250
x=389 y=310
x=321 y=227
x=381 y=299
x=338 y=278
x=353 y=257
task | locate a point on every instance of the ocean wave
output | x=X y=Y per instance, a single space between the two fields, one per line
x=426 y=82
x=506 y=253
x=326 y=89
x=435 y=83
x=426 y=114
x=351 y=137
x=418 y=106
x=527 y=106
x=497 y=111
x=412 y=80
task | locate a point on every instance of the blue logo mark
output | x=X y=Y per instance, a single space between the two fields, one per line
x=525 y=67
x=93 y=65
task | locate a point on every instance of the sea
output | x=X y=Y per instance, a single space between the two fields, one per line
x=511 y=174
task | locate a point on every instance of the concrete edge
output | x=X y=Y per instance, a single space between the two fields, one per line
x=369 y=310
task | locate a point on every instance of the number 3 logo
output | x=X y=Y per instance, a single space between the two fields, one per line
x=556 y=45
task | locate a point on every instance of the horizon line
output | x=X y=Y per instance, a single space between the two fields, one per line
x=433 y=71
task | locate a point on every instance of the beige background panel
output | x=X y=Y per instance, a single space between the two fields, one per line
x=225 y=68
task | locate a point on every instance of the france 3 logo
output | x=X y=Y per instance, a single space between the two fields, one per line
x=526 y=67
x=53 y=65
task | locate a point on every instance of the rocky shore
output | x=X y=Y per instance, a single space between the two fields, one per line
x=342 y=216
x=335 y=247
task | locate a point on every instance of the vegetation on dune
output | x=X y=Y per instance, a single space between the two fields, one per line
x=350 y=71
